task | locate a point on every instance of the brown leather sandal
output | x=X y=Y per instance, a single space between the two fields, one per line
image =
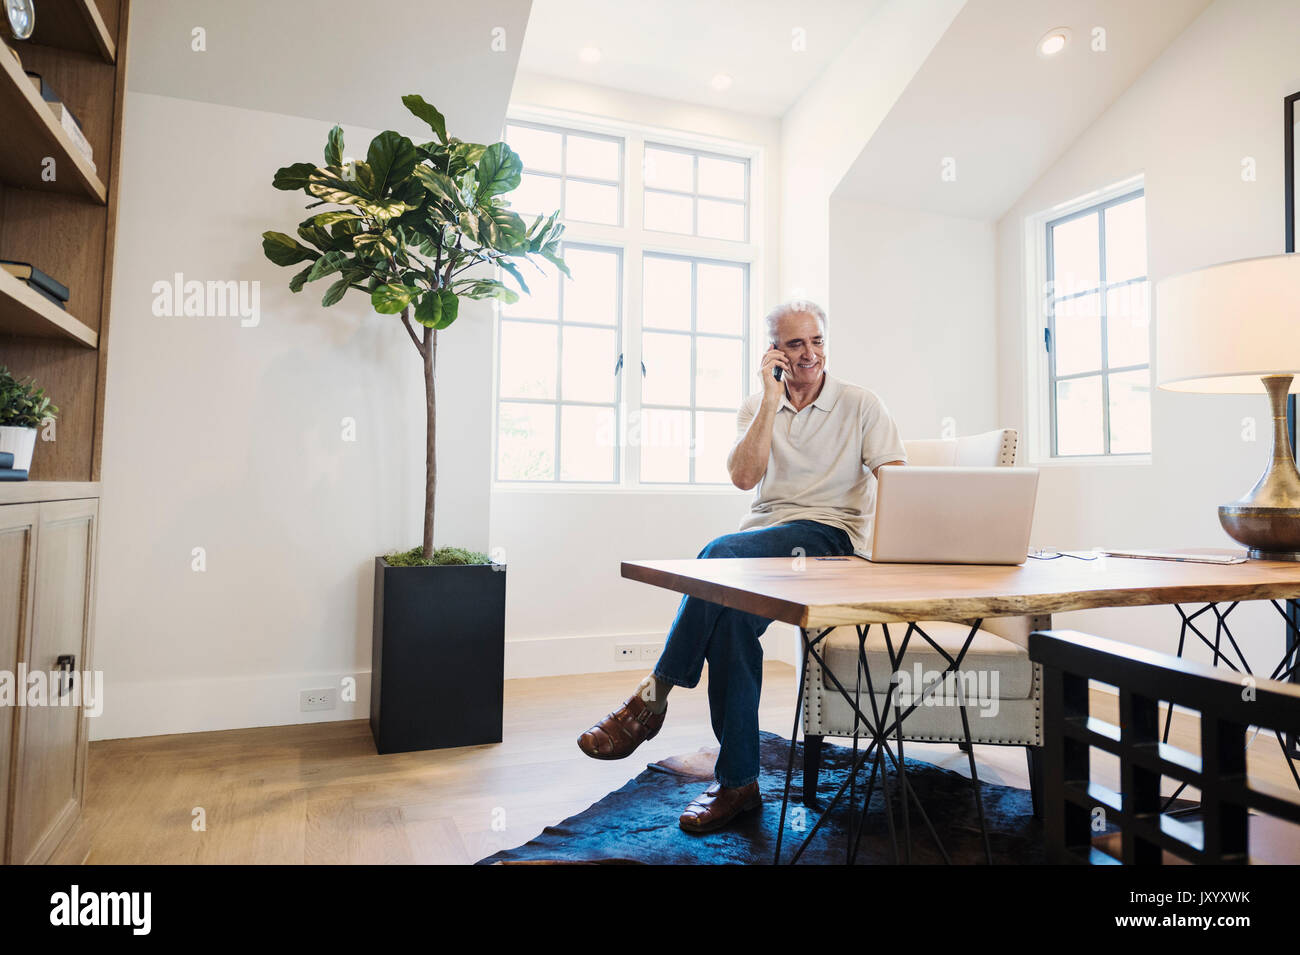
x=717 y=806
x=621 y=732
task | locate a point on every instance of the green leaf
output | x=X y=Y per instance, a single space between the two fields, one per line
x=438 y=184
x=336 y=215
x=391 y=158
x=558 y=262
x=327 y=264
x=486 y=288
x=284 y=250
x=469 y=225
x=425 y=111
x=334 y=147
x=469 y=153
x=390 y=299
x=428 y=310
x=514 y=270
x=450 y=307
x=344 y=192
x=293 y=177
x=498 y=171
x=508 y=230
x=335 y=292
x=298 y=281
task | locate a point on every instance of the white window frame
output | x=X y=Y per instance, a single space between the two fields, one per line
x=633 y=240
x=1035 y=394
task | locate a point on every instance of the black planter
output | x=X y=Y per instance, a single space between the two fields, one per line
x=438 y=656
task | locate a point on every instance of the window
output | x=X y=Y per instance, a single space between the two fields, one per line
x=695 y=193
x=1096 y=335
x=662 y=284
x=579 y=174
x=693 y=356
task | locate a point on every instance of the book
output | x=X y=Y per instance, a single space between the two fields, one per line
x=6 y=460
x=43 y=87
x=34 y=276
x=73 y=129
x=47 y=295
x=13 y=474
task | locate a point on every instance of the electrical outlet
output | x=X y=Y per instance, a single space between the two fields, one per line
x=309 y=700
x=650 y=651
x=627 y=651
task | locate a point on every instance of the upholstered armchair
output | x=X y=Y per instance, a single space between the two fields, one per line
x=997 y=659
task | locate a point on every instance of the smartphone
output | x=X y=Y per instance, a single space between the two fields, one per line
x=776 y=372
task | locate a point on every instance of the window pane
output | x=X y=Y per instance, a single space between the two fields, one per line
x=586 y=443
x=1078 y=334
x=1078 y=416
x=715 y=433
x=588 y=358
x=527 y=360
x=594 y=158
x=1128 y=325
x=721 y=299
x=535 y=196
x=666 y=292
x=543 y=298
x=667 y=369
x=526 y=442
x=722 y=177
x=717 y=372
x=1076 y=254
x=665 y=212
x=1126 y=240
x=665 y=439
x=591 y=202
x=669 y=169
x=722 y=220
x=539 y=149
x=592 y=295
x=1130 y=412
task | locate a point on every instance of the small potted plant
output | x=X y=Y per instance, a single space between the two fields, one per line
x=417 y=227
x=23 y=409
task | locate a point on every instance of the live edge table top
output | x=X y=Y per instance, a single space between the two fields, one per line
x=822 y=592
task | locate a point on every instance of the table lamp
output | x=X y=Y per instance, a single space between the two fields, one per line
x=1235 y=329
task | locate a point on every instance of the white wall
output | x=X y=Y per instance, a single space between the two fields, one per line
x=1210 y=101
x=230 y=438
x=914 y=314
x=828 y=126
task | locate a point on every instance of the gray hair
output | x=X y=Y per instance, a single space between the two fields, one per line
x=795 y=307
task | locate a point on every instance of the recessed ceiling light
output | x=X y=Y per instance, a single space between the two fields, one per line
x=720 y=82
x=589 y=54
x=1053 y=42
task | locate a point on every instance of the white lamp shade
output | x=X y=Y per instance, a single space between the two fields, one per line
x=1220 y=328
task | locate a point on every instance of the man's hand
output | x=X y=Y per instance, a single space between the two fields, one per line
x=773 y=389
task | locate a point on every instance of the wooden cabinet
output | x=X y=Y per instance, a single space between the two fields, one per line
x=47 y=573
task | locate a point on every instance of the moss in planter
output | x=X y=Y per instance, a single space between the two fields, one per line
x=442 y=556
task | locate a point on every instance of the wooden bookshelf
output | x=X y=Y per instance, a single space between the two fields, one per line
x=49 y=525
x=33 y=136
x=74 y=25
x=65 y=227
x=25 y=312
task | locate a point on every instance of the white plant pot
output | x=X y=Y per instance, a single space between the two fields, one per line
x=21 y=441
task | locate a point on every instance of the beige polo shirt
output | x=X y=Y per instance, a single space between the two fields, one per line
x=822 y=458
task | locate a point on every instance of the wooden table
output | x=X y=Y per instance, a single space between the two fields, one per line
x=817 y=594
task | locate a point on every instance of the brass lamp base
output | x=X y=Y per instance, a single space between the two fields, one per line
x=1267 y=520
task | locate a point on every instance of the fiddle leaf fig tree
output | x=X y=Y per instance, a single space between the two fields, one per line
x=412 y=226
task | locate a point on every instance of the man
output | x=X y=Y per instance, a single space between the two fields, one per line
x=811 y=445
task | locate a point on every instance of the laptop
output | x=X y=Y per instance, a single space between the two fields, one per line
x=953 y=515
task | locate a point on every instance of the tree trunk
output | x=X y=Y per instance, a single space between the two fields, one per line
x=430 y=435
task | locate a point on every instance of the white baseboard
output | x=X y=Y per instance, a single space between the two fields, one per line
x=222 y=703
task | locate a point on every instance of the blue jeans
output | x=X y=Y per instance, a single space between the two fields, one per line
x=728 y=640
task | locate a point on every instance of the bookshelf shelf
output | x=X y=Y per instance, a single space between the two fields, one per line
x=27 y=492
x=32 y=134
x=74 y=25
x=25 y=312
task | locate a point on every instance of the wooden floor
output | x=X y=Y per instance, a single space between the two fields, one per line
x=318 y=793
